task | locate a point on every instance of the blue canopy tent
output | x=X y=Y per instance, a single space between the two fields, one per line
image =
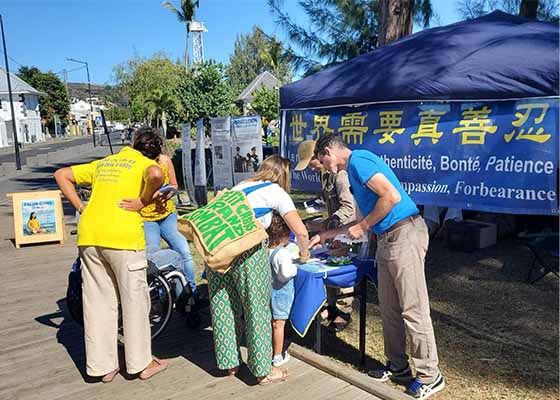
x=498 y=56
x=457 y=111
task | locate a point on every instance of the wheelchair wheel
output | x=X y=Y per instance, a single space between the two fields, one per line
x=161 y=300
x=161 y=306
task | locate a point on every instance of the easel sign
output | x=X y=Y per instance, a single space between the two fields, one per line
x=38 y=217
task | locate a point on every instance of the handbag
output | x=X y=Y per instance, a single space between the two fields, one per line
x=225 y=228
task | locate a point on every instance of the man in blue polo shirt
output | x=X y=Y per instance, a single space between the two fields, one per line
x=402 y=242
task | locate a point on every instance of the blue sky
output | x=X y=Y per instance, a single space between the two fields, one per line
x=108 y=32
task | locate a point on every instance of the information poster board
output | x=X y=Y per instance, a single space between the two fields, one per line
x=200 y=162
x=38 y=217
x=187 y=160
x=221 y=154
x=247 y=153
x=200 y=179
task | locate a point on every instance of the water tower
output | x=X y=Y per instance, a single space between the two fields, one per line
x=197 y=28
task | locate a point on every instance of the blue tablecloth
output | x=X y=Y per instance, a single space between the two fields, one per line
x=310 y=294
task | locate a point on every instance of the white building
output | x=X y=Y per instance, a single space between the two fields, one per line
x=26 y=109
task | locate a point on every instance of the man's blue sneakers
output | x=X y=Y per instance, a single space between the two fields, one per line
x=421 y=391
x=384 y=373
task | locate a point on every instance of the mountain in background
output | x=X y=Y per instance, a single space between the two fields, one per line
x=105 y=93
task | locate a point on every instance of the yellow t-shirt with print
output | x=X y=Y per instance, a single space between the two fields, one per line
x=103 y=223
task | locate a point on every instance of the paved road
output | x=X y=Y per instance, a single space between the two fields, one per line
x=41 y=177
x=45 y=147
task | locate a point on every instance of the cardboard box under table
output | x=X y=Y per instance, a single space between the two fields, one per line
x=469 y=235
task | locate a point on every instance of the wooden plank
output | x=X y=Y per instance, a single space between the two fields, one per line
x=353 y=377
x=42 y=354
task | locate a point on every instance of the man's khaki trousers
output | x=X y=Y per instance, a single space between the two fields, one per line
x=109 y=275
x=403 y=299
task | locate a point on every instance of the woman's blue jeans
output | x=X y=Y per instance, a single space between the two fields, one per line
x=167 y=229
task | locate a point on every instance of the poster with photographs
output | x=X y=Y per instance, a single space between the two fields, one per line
x=38 y=217
x=246 y=147
x=221 y=154
x=187 y=160
x=200 y=156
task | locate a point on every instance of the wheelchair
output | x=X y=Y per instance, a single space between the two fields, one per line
x=162 y=284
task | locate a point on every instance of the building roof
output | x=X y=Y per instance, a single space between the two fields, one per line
x=19 y=86
x=265 y=79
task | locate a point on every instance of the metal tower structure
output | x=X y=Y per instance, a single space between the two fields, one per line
x=197 y=28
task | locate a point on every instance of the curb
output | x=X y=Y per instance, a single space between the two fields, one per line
x=347 y=374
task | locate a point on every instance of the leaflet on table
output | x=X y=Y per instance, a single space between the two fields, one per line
x=343 y=238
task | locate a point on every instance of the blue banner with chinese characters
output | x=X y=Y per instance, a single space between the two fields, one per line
x=498 y=156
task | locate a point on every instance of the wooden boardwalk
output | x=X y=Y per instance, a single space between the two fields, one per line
x=42 y=349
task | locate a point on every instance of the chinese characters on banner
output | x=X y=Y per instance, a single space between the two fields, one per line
x=499 y=156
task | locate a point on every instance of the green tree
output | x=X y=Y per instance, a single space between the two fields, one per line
x=56 y=101
x=543 y=10
x=266 y=103
x=185 y=15
x=161 y=105
x=253 y=54
x=339 y=30
x=117 y=113
x=141 y=79
x=205 y=93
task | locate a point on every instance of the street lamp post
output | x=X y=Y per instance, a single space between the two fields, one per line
x=14 y=128
x=89 y=90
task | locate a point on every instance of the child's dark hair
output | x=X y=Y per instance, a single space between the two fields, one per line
x=148 y=142
x=278 y=230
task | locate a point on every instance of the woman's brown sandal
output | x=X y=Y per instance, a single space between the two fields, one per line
x=270 y=378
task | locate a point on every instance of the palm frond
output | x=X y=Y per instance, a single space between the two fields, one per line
x=180 y=16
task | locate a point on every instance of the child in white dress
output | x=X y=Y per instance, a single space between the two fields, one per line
x=283 y=273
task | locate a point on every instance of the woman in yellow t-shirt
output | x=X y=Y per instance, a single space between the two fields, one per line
x=33 y=224
x=160 y=220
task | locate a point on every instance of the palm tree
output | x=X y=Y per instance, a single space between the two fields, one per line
x=160 y=105
x=275 y=58
x=185 y=15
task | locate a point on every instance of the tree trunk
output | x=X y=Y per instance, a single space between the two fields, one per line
x=395 y=20
x=164 y=123
x=187 y=48
x=529 y=8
